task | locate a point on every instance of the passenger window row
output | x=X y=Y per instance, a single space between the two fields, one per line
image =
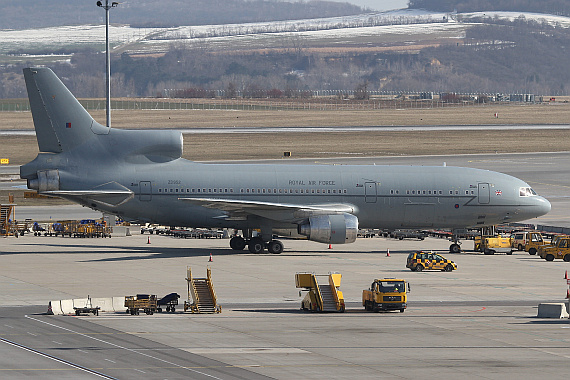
x=255 y=191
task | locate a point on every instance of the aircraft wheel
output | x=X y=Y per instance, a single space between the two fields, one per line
x=237 y=243
x=275 y=246
x=256 y=245
x=454 y=248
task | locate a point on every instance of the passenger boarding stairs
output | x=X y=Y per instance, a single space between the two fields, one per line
x=201 y=292
x=323 y=291
x=328 y=300
x=5 y=216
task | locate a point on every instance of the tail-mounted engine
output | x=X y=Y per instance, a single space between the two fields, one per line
x=331 y=229
x=47 y=180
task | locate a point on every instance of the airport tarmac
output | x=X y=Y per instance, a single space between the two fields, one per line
x=477 y=322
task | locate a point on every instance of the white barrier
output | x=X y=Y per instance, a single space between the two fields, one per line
x=119 y=304
x=80 y=302
x=121 y=231
x=552 y=310
x=67 y=307
x=55 y=308
x=105 y=304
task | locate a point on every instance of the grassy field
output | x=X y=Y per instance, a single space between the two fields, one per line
x=230 y=146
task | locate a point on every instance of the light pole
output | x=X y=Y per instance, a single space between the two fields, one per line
x=107 y=7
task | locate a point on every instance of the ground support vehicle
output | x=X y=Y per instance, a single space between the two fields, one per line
x=201 y=293
x=89 y=228
x=419 y=260
x=559 y=250
x=386 y=294
x=39 y=229
x=527 y=241
x=367 y=233
x=145 y=302
x=8 y=226
x=325 y=296
x=489 y=242
x=407 y=234
x=170 y=301
x=197 y=233
x=87 y=309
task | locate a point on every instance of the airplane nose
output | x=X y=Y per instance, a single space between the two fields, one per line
x=543 y=206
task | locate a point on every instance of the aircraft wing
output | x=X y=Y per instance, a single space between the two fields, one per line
x=284 y=212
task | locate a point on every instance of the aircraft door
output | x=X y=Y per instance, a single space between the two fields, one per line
x=145 y=191
x=370 y=192
x=484 y=193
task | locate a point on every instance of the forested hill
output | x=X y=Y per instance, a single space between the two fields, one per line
x=24 y=14
x=556 y=7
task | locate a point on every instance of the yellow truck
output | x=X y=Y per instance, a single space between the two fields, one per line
x=490 y=242
x=559 y=249
x=386 y=294
x=527 y=241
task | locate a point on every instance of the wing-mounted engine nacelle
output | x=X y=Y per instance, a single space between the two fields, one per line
x=47 y=180
x=331 y=229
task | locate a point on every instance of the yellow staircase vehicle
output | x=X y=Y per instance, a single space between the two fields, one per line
x=323 y=292
x=201 y=292
x=6 y=222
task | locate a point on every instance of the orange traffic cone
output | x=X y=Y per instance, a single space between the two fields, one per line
x=330 y=246
x=568 y=293
x=387 y=253
x=148 y=241
x=50 y=310
x=210 y=258
x=566 y=275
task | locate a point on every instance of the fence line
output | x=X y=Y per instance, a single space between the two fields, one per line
x=255 y=104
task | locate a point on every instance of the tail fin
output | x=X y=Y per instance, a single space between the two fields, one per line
x=60 y=121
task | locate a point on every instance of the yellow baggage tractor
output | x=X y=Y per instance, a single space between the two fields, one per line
x=145 y=302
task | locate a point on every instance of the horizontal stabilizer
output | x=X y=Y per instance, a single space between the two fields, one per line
x=111 y=194
x=110 y=198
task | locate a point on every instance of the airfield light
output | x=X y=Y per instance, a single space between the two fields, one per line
x=107 y=7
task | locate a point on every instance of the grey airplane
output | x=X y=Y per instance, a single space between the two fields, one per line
x=139 y=175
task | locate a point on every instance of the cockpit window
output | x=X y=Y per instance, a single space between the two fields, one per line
x=526 y=192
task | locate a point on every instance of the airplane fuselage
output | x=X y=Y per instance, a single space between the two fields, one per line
x=383 y=196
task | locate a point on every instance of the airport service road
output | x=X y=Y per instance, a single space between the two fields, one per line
x=32 y=344
x=476 y=322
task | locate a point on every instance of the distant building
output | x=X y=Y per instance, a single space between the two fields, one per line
x=523 y=98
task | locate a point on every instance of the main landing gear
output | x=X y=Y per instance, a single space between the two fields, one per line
x=256 y=245
x=455 y=247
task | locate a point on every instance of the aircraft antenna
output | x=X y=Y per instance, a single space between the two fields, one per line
x=107 y=7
